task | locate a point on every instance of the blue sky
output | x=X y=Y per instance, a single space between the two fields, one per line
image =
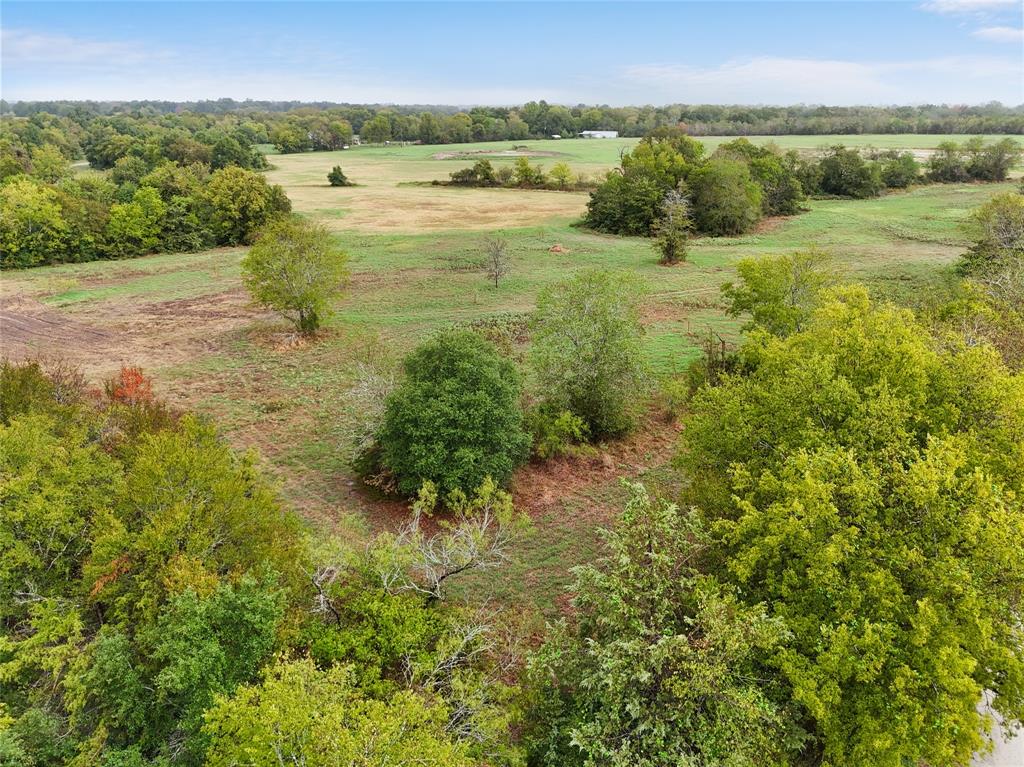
x=929 y=51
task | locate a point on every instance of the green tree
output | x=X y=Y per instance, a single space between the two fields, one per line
x=625 y=203
x=992 y=161
x=587 y=351
x=779 y=293
x=455 y=419
x=867 y=486
x=899 y=169
x=561 y=175
x=240 y=202
x=724 y=198
x=672 y=229
x=377 y=130
x=135 y=228
x=844 y=172
x=296 y=269
x=32 y=229
x=337 y=177
x=660 y=664
x=947 y=163
x=302 y=715
x=997 y=229
x=49 y=164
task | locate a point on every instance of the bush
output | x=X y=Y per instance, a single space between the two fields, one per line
x=586 y=349
x=625 y=203
x=295 y=269
x=337 y=177
x=899 y=169
x=724 y=197
x=555 y=432
x=455 y=419
x=845 y=173
x=672 y=229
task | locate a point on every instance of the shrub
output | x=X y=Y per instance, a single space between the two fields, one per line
x=662 y=665
x=899 y=169
x=991 y=162
x=295 y=269
x=947 y=163
x=672 y=229
x=555 y=432
x=625 y=203
x=724 y=197
x=561 y=175
x=455 y=419
x=586 y=349
x=526 y=175
x=845 y=173
x=337 y=177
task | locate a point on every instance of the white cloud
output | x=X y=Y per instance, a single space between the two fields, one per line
x=1000 y=34
x=777 y=80
x=961 y=7
x=26 y=47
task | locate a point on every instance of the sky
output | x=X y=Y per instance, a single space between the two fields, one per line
x=503 y=53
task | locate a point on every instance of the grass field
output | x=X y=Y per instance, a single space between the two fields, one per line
x=186 y=319
x=385 y=201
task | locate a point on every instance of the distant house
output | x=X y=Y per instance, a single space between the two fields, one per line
x=599 y=134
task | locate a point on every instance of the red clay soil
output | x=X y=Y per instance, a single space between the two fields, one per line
x=541 y=485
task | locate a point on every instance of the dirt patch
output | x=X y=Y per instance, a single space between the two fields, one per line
x=770 y=224
x=28 y=329
x=99 y=337
x=478 y=154
x=541 y=486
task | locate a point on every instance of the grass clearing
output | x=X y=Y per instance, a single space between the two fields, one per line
x=187 y=320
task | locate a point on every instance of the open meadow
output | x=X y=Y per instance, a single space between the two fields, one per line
x=187 y=320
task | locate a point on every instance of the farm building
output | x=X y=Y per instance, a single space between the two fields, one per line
x=599 y=134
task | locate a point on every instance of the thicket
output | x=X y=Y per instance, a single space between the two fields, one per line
x=158 y=606
x=520 y=175
x=730 y=191
x=131 y=211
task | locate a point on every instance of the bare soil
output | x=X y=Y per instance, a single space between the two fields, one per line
x=101 y=336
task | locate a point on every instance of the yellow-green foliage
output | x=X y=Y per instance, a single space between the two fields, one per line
x=868 y=487
x=302 y=715
x=296 y=269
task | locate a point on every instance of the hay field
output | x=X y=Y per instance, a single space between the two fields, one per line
x=386 y=199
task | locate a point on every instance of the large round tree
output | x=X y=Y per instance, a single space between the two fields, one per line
x=455 y=419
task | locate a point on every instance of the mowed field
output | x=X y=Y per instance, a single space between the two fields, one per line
x=390 y=198
x=187 y=320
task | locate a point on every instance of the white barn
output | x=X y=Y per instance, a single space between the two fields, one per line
x=599 y=134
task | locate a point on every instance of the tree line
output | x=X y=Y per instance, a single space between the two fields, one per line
x=539 y=119
x=152 y=191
